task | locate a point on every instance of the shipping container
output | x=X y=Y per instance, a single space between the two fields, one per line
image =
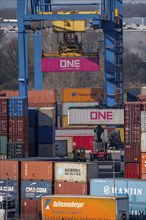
x=37 y=170
x=3 y=156
x=46 y=150
x=94 y=116
x=17 y=150
x=69 y=142
x=32 y=117
x=143 y=176
x=3 y=107
x=143 y=90
x=61 y=147
x=82 y=94
x=143 y=163
x=35 y=189
x=30 y=209
x=33 y=150
x=138 y=210
x=87 y=142
x=132 y=170
x=70 y=64
x=143 y=141
x=71 y=188
x=47 y=116
x=10 y=189
x=132 y=152
x=32 y=135
x=4 y=126
x=84 y=207
x=3 y=144
x=67 y=105
x=46 y=135
x=75 y=171
x=18 y=106
x=143 y=121
x=9 y=169
x=65 y=121
x=41 y=97
x=74 y=132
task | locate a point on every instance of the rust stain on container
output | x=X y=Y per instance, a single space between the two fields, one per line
x=9 y=169
x=37 y=170
x=71 y=188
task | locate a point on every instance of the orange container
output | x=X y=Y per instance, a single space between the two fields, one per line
x=143 y=163
x=42 y=96
x=84 y=207
x=37 y=170
x=9 y=169
x=143 y=176
x=82 y=94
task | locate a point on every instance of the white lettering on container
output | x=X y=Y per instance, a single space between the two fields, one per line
x=69 y=63
x=68 y=204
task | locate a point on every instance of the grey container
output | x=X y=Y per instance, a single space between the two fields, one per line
x=133 y=188
x=3 y=144
x=143 y=121
x=61 y=147
x=46 y=150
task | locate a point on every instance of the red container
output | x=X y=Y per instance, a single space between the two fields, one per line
x=132 y=170
x=9 y=169
x=143 y=176
x=132 y=152
x=144 y=105
x=44 y=97
x=84 y=141
x=70 y=64
x=3 y=106
x=3 y=126
x=30 y=209
x=74 y=188
x=18 y=129
x=37 y=170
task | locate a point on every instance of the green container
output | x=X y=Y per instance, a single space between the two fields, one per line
x=3 y=144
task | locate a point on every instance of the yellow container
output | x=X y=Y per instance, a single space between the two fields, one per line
x=65 y=121
x=69 y=25
x=121 y=130
x=84 y=207
x=82 y=94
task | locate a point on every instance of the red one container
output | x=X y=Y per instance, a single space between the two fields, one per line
x=37 y=170
x=30 y=209
x=84 y=141
x=74 y=188
x=132 y=170
x=9 y=169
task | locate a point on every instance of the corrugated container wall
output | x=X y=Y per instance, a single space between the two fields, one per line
x=9 y=169
x=47 y=116
x=143 y=163
x=92 y=116
x=71 y=188
x=30 y=209
x=82 y=94
x=132 y=170
x=37 y=170
x=67 y=105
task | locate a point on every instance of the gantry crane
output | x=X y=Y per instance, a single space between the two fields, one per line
x=109 y=18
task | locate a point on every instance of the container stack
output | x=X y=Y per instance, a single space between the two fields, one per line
x=46 y=131
x=18 y=127
x=36 y=181
x=9 y=182
x=33 y=131
x=79 y=97
x=132 y=117
x=73 y=178
x=143 y=141
x=3 y=127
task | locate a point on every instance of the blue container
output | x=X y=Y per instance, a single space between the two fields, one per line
x=137 y=209
x=35 y=189
x=18 y=106
x=46 y=135
x=133 y=188
x=31 y=135
x=32 y=117
x=10 y=188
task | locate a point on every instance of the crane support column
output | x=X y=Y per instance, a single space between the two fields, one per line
x=38 y=76
x=23 y=50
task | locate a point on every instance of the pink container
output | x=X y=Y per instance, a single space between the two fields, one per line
x=70 y=64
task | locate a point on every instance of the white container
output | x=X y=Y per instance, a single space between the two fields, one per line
x=46 y=116
x=67 y=105
x=86 y=116
x=75 y=171
x=143 y=90
x=143 y=121
x=74 y=132
x=71 y=172
x=143 y=142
